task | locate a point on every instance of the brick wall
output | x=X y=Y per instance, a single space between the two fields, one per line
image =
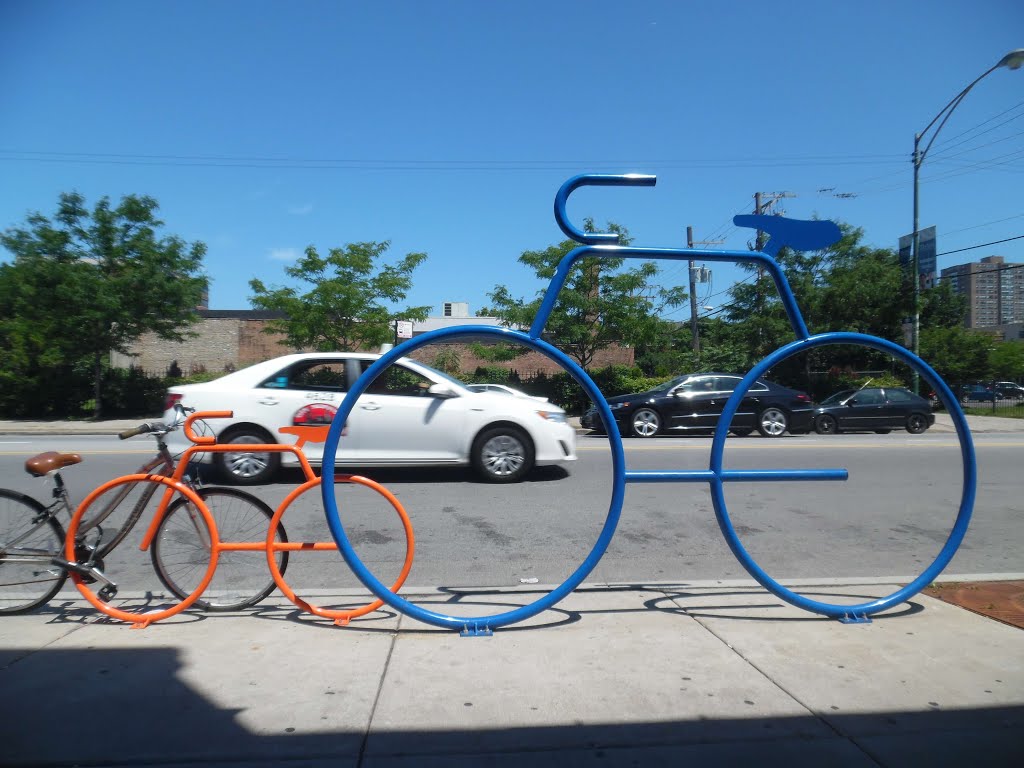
x=526 y=365
x=218 y=344
x=227 y=341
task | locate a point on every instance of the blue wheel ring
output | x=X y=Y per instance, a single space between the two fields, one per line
x=501 y=619
x=970 y=476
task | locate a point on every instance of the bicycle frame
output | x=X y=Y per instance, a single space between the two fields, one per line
x=801 y=235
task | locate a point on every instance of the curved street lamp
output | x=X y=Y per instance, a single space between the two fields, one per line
x=1013 y=60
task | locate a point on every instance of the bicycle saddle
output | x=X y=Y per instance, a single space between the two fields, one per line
x=51 y=461
x=798 y=234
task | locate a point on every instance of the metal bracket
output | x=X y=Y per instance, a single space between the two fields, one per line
x=855 y=618
x=476 y=630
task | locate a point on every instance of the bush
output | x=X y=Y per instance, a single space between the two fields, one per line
x=131 y=392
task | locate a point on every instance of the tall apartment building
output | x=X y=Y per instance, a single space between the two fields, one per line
x=994 y=291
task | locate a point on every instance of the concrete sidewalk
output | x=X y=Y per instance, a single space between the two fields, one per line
x=662 y=674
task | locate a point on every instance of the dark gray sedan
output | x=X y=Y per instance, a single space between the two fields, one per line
x=873 y=409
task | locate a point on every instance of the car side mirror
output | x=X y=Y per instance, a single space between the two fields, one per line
x=442 y=391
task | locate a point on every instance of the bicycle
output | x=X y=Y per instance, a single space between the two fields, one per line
x=797 y=234
x=36 y=554
x=185 y=541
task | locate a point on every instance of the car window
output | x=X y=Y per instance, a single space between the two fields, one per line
x=698 y=384
x=396 y=380
x=726 y=383
x=320 y=376
x=869 y=397
x=899 y=395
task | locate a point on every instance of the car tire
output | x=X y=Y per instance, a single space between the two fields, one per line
x=645 y=422
x=916 y=423
x=502 y=454
x=742 y=431
x=246 y=467
x=826 y=425
x=772 y=422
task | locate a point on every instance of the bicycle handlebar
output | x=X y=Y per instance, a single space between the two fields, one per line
x=142 y=429
x=204 y=439
x=595 y=180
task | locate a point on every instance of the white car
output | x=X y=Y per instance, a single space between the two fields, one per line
x=411 y=415
x=501 y=389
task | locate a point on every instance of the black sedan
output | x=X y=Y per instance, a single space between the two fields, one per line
x=874 y=409
x=693 y=402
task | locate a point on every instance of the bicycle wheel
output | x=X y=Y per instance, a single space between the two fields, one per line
x=180 y=554
x=29 y=540
x=101 y=587
x=966 y=458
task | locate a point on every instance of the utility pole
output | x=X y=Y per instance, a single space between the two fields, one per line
x=693 y=289
x=764 y=206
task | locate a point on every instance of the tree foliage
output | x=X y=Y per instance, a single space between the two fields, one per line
x=346 y=304
x=1006 y=360
x=957 y=354
x=85 y=284
x=602 y=303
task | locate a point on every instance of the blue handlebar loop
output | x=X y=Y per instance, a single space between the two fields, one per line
x=595 y=180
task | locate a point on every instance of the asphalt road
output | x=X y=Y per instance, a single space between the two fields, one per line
x=890 y=518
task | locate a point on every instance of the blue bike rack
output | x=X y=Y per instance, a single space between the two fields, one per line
x=800 y=235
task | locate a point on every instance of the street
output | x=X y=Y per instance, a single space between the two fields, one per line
x=890 y=518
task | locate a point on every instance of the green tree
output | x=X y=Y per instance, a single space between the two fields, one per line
x=942 y=307
x=602 y=303
x=344 y=308
x=88 y=283
x=1006 y=360
x=957 y=354
x=845 y=287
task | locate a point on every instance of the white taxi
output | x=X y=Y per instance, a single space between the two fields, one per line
x=411 y=415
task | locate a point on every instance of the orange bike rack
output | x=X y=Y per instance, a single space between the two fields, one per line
x=208 y=444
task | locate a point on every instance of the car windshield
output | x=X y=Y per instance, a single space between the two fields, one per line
x=837 y=398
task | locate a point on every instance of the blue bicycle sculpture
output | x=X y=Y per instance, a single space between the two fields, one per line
x=798 y=235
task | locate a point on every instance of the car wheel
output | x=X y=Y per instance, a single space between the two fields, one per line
x=772 y=422
x=502 y=454
x=246 y=467
x=826 y=425
x=916 y=423
x=882 y=431
x=645 y=422
x=741 y=431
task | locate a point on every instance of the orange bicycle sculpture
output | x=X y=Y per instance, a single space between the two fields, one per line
x=183 y=535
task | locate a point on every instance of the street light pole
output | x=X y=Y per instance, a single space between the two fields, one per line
x=1013 y=60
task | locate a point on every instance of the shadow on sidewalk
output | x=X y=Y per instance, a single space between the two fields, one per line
x=136 y=707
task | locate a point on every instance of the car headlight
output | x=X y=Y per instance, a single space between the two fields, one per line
x=558 y=417
x=617 y=406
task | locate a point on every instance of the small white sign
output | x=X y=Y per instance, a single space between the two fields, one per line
x=403 y=329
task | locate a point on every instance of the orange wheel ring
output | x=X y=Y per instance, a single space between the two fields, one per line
x=339 y=617
x=140 y=620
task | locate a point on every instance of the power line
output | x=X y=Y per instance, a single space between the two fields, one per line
x=983 y=245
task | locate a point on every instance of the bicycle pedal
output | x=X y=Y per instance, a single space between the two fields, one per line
x=107 y=593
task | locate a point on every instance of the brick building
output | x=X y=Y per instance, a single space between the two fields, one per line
x=226 y=340
x=994 y=291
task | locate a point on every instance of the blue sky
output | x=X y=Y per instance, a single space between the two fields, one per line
x=447 y=127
